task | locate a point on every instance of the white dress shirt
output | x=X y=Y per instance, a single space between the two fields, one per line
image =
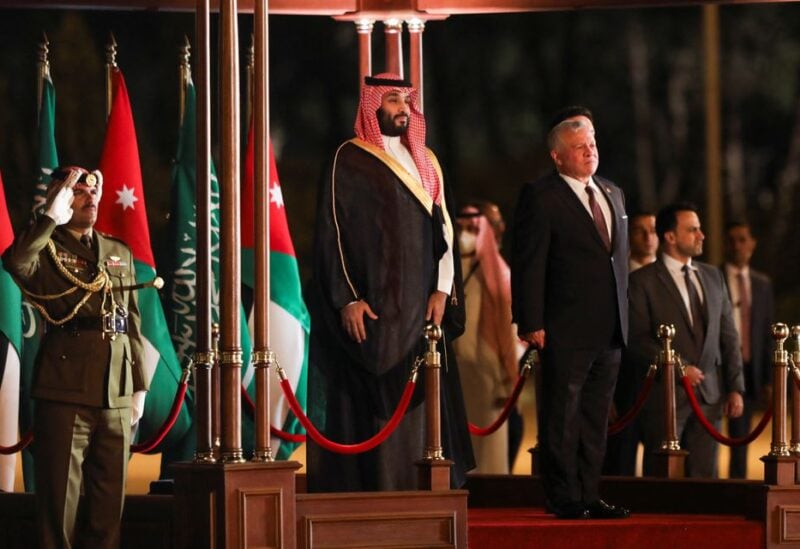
x=731 y=272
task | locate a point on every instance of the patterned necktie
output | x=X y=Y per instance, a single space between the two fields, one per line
x=599 y=218
x=744 y=316
x=696 y=310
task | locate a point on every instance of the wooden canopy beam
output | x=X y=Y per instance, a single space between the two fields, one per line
x=377 y=9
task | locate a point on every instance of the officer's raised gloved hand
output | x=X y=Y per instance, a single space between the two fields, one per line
x=59 y=199
x=137 y=406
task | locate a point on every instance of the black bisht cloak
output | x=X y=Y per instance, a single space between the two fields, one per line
x=378 y=238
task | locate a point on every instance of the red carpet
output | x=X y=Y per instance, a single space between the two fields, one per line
x=499 y=528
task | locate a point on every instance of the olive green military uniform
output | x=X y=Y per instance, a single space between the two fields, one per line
x=83 y=382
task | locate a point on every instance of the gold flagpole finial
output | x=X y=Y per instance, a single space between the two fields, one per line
x=43 y=65
x=184 y=74
x=111 y=66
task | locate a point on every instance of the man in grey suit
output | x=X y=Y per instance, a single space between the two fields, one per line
x=569 y=280
x=753 y=312
x=690 y=295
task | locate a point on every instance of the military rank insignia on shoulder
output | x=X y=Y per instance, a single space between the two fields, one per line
x=72 y=262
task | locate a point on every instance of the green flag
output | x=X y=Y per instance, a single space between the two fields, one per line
x=181 y=302
x=32 y=324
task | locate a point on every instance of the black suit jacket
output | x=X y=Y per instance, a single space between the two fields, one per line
x=655 y=300
x=762 y=314
x=563 y=279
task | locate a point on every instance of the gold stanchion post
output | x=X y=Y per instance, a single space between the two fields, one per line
x=779 y=464
x=669 y=460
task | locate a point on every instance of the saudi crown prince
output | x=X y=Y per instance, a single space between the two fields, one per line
x=386 y=264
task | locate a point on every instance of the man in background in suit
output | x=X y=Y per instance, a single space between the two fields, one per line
x=691 y=295
x=569 y=298
x=623 y=447
x=753 y=313
x=89 y=382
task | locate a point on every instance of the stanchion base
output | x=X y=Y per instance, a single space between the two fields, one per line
x=434 y=474
x=670 y=463
x=779 y=470
x=536 y=456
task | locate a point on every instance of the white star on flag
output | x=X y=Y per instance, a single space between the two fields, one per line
x=276 y=196
x=126 y=198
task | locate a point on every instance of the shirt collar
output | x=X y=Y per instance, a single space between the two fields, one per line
x=578 y=186
x=733 y=270
x=674 y=265
x=79 y=234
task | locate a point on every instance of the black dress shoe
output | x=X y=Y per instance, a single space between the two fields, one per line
x=602 y=510
x=573 y=511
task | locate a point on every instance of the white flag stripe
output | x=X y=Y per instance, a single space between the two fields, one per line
x=9 y=419
x=151 y=358
x=288 y=342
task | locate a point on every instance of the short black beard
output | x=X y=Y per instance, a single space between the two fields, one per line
x=388 y=126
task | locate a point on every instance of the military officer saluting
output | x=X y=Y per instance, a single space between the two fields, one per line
x=89 y=381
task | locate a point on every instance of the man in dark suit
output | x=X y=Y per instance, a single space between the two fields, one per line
x=569 y=293
x=690 y=295
x=89 y=381
x=753 y=312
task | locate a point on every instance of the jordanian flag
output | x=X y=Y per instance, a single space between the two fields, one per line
x=122 y=214
x=289 y=322
x=10 y=346
x=32 y=323
x=181 y=299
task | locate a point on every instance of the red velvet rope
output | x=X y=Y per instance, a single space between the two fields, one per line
x=365 y=446
x=23 y=443
x=623 y=422
x=510 y=403
x=283 y=435
x=719 y=437
x=177 y=404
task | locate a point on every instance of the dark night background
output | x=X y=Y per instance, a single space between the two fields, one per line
x=491 y=84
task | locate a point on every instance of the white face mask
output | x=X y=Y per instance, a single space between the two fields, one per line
x=466 y=241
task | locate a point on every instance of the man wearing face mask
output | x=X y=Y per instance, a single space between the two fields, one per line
x=488 y=351
x=386 y=264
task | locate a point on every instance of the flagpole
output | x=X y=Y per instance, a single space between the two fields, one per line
x=230 y=259
x=43 y=65
x=205 y=358
x=262 y=354
x=111 y=66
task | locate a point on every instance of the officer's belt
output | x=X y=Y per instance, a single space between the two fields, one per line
x=86 y=323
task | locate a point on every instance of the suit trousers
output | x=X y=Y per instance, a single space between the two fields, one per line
x=578 y=385
x=740 y=427
x=80 y=445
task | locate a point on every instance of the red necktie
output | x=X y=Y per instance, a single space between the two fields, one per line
x=599 y=218
x=744 y=317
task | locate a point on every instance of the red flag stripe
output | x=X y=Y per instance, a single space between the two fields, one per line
x=280 y=239
x=122 y=211
x=6 y=231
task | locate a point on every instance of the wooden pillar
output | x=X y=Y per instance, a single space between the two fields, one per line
x=230 y=260
x=203 y=356
x=393 y=31
x=364 y=29
x=262 y=355
x=669 y=460
x=714 y=204
x=779 y=465
x=415 y=29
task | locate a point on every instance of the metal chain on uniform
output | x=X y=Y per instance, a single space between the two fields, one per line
x=100 y=283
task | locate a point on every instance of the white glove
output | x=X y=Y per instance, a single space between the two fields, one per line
x=59 y=199
x=60 y=208
x=137 y=406
x=99 y=175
